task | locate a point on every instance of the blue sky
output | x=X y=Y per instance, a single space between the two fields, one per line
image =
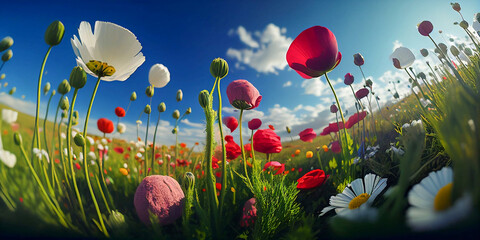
x=251 y=35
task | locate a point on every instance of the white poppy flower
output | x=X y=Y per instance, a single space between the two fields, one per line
x=125 y=165
x=159 y=75
x=92 y=156
x=90 y=140
x=92 y=162
x=8 y=158
x=431 y=203
x=404 y=56
x=80 y=157
x=40 y=153
x=104 y=141
x=100 y=147
x=121 y=128
x=110 y=44
x=63 y=136
x=9 y=116
x=357 y=193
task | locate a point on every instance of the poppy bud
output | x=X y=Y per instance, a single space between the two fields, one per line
x=369 y=83
x=333 y=108
x=12 y=91
x=288 y=130
x=468 y=52
x=219 y=68
x=79 y=140
x=162 y=107
x=78 y=77
x=425 y=28
x=189 y=180
x=64 y=104
x=179 y=95
x=348 y=79
x=456 y=6
x=424 y=52
x=116 y=220
x=2 y=76
x=75 y=118
x=64 y=87
x=203 y=98
x=464 y=24
x=7 y=55
x=64 y=114
x=176 y=114
x=358 y=59
x=46 y=88
x=133 y=96
x=17 y=138
x=6 y=43
x=454 y=51
x=54 y=92
x=54 y=33
x=150 y=91
x=443 y=47
x=174 y=130
x=477 y=17
x=147 y=109
x=189 y=110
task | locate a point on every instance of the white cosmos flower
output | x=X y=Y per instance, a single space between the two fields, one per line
x=431 y=202
x=121 y=128
x=111 y=44
x=159 y=75
x=8 y=158
x=357 y=193
x=404 y=56
x=9 y=116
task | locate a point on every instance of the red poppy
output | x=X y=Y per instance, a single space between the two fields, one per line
x=218 y=186
x=118 y=150
x=361 y=93
x=425 y=28
x=271 y=127
x=312 y=179
x=336 y=148
x=120 y=112
x=267 y=141
x=77 y=166
x=182 y=162
x=348 y=79
x=307 y=135
x=231 y=123
x=278 y=167
x=233 y=150
x=355 y=118
x=248 y=149
x=254 y=124
x=300 y=169
x=183 y=145
x=214 y=163
x=335 y=127
x=218 y=174
x=326 y=131
x=157 y=155
x=57 y=161
x=105 y=125
x=314 y=52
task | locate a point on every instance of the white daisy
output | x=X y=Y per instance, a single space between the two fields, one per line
x=109 y=44
x=431 y=202
x=357 y=193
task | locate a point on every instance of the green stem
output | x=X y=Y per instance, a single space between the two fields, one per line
x=39 y=87
x=153 y=148
x=45 y=125
x=224 y=150
x=52 y=155
x=85 y=165
x=69 y=152
x=146 y=147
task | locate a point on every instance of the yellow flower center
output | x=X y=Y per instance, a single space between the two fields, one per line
x=443 y=199
x=100 y=69
x=358 y=201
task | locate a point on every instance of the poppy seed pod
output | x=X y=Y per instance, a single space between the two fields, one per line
x=425 y=28
x=174 y=130
x=64 y=87
x=358 y=59
x=133 y=96
x=7 y=55
x=369 y=83
x=150 y=91
x=176 y=114
x=78 y=78
x=162 y=107
x=64 y=104
x=189 y=110
x=179 y=95
x=46 y=88
x=424 y=52
x=421 y=75
x=54 y=33
x=454 y=51
x=219 y=68
x=6 y=43
x=147 y=109
x=12 y=91
x=464 y=24
x=203 y=98
x=17 y=138
x=79 y=140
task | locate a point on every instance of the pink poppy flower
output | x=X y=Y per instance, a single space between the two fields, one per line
x=307 y=135
x=425 y=28
x=243 y=95
x=254 y=124
x=358 y=59
x=348 y=79
x=361 y=93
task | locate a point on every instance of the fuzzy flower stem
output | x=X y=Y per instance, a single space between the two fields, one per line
x=153 y=147
x=146 y=146
x=85 y=164
x=224 y=150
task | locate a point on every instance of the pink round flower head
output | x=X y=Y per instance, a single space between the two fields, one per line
x=425 y=28
x=314 y=52
x=254 y=124
x=160 y=195
x=348 y=79
x=333 y=108
x=336 y=148
x=243 y=95
x=358 y=59
x=249 y=213
x=307 y=135
x=361 y=93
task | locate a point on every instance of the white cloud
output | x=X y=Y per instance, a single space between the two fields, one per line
x=192 y=124
x=287 y=84
x=266 y=54
x=315 y=86
x=396 y=45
